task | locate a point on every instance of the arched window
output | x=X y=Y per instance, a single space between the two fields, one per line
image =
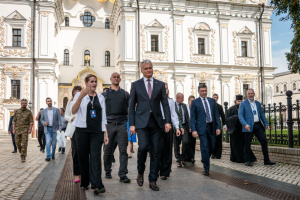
x=66 y=57
x=87 y=19
x=87 y=53
x=284 y=87
x=67 y=21
x=107 y=23
x=65 y=102
x=107 y=58
x=277 y=88
x=294 y=86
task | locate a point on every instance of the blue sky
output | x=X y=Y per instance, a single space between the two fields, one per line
x=281 y=35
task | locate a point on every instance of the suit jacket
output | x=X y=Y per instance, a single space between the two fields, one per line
x=198 y=119
x=186 y=116
x=56 y=125
x=221 y=113
x=140 y=101
x=246 y=115
x=10 y=127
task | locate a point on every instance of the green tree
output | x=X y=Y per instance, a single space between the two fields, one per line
x=291 y=8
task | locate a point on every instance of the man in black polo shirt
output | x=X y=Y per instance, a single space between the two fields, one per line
x=41 y=135
x=117 y=101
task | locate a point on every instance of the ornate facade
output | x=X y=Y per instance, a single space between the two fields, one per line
x=189 y=42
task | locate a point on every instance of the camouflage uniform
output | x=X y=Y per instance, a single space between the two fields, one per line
x=22 y=120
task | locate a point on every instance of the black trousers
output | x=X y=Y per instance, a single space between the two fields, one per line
x=76 y=169
x=184 y=139
x=120 y=132
x=218 y=146
x=149 y=138
x=192 y=147
x=259 y=132
x=166 y=153
x=41 y=138
x=89 y=146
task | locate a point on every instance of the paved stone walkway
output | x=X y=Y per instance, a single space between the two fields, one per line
x=16 y=177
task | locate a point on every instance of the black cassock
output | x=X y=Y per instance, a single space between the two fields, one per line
x=218 y=145
x=237 y=137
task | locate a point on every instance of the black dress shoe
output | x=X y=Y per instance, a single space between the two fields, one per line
x=153 y=186
x=96 y=192
x=85 y=187
x=125 y=179
x=113 y=160
x=270 y=163
x=249 y=164
x=193 y=161
x=184 y=163
x=108 y=175
x=47 y=159
x=140 y=179
x=213 y=156
x=206 y=173
x=164 y=178
x=14 y=152
x=59 y=149
x=53 y=158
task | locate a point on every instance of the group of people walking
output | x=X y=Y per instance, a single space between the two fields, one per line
x=159 y=122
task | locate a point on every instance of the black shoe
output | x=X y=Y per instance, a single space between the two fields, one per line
x=193 y=161
x=249 y=164
x=14 y=152
x=53 y=158
x=164 y=178
x=59 y=149
x=125 y=179
x=129 y=156
x=270 y=163
x=96 y=192
x=153 y=186
x=179 y=164
x=140 y=179
x=63 y=150
x=113 y=160
x=47 y=159
x=108 y=175
x=213 y=156
x=206 y=173
x=85 y=188
x=43 y=151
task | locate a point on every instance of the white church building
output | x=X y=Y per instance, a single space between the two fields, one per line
x=215 y=42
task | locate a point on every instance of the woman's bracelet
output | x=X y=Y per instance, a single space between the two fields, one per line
x=105 y=134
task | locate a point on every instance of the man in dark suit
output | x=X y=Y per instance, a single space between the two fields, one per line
x=251 y=115
x=146 y=95
x=217 y=152
x=205 y=123
x=10 y=131
x=184 y=125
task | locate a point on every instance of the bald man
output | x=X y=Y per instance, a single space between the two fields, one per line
x=117 y=102
x=184 y=125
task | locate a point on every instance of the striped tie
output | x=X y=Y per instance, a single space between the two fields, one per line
x=208 y=119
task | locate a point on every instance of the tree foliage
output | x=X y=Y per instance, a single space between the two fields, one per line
x=292 y=10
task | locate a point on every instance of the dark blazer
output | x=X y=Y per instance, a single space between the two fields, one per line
x=221 y=113
x=140 y=101
x=10 y=127
x=198 y=119
x=246 y=115
x=186 y=116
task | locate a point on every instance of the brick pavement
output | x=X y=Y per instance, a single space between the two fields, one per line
x=16 y=177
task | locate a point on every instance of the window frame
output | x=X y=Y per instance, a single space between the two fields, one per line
x=199 y=45
x=244 y=48
x=84 y=54
x=18 y=88
x=107 y=23
x=156 y=47
x=90 y=17
x=19 y=37
x=66 y=59
x=67 y=21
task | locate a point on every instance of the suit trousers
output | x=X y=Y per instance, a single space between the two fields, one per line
x=207 y=143
x=118 y=131
x=76 y=169
x=13 y=141
x=184 y=139
x=89 y=146
x=166 y=153
x=192 y=147
x=258 y=130
x=149 y=138
x=41 y=138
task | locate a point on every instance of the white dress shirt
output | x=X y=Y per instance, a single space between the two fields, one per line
x=205 y=107
x=183 y=116
x=254 y=108
x=189 y=109
x=174 y=117
x=80 y=120
x=68 y=114
x=146 y=83
x=50 y=116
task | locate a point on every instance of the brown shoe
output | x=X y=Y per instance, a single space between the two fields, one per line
x=153 y=186
x=140 y=179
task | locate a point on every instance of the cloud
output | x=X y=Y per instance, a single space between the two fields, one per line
x=279 y=60
x=275 y=42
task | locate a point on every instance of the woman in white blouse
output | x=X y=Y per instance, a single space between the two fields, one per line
x=91 y=132
x=70 y=118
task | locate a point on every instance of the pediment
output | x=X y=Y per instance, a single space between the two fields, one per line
x=245 y=30
x=15 y=15
x=155 y=23
x=202 y=26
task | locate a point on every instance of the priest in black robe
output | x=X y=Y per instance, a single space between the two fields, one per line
x=237 y=138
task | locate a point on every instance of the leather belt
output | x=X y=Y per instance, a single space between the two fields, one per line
x=114 y=123
x=209 y=123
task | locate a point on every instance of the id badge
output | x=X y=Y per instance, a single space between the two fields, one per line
x=254 y=112
x=93 y=113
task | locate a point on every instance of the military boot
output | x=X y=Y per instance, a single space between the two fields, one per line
x=23 y=159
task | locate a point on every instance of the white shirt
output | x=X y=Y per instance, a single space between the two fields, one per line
x=254 y=108
x=50 y=116
x=146 y=83
x=189 y=110
x=182 y=111
x=68 y=114
x=80 y=120
x=205 y=107
x=174 y=116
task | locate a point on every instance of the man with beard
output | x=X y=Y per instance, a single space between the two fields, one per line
x=237 y=138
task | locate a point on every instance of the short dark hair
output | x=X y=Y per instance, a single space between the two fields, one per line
x=48 y=98
x=23 y=99
x=216 y=95
x=75 y=88
x=105 y=89
x=201 y=86
x=191 y=96
x=63 y=110
x=42 y=109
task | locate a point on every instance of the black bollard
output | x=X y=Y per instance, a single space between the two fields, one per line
x=290 y=118
x=226 y=115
